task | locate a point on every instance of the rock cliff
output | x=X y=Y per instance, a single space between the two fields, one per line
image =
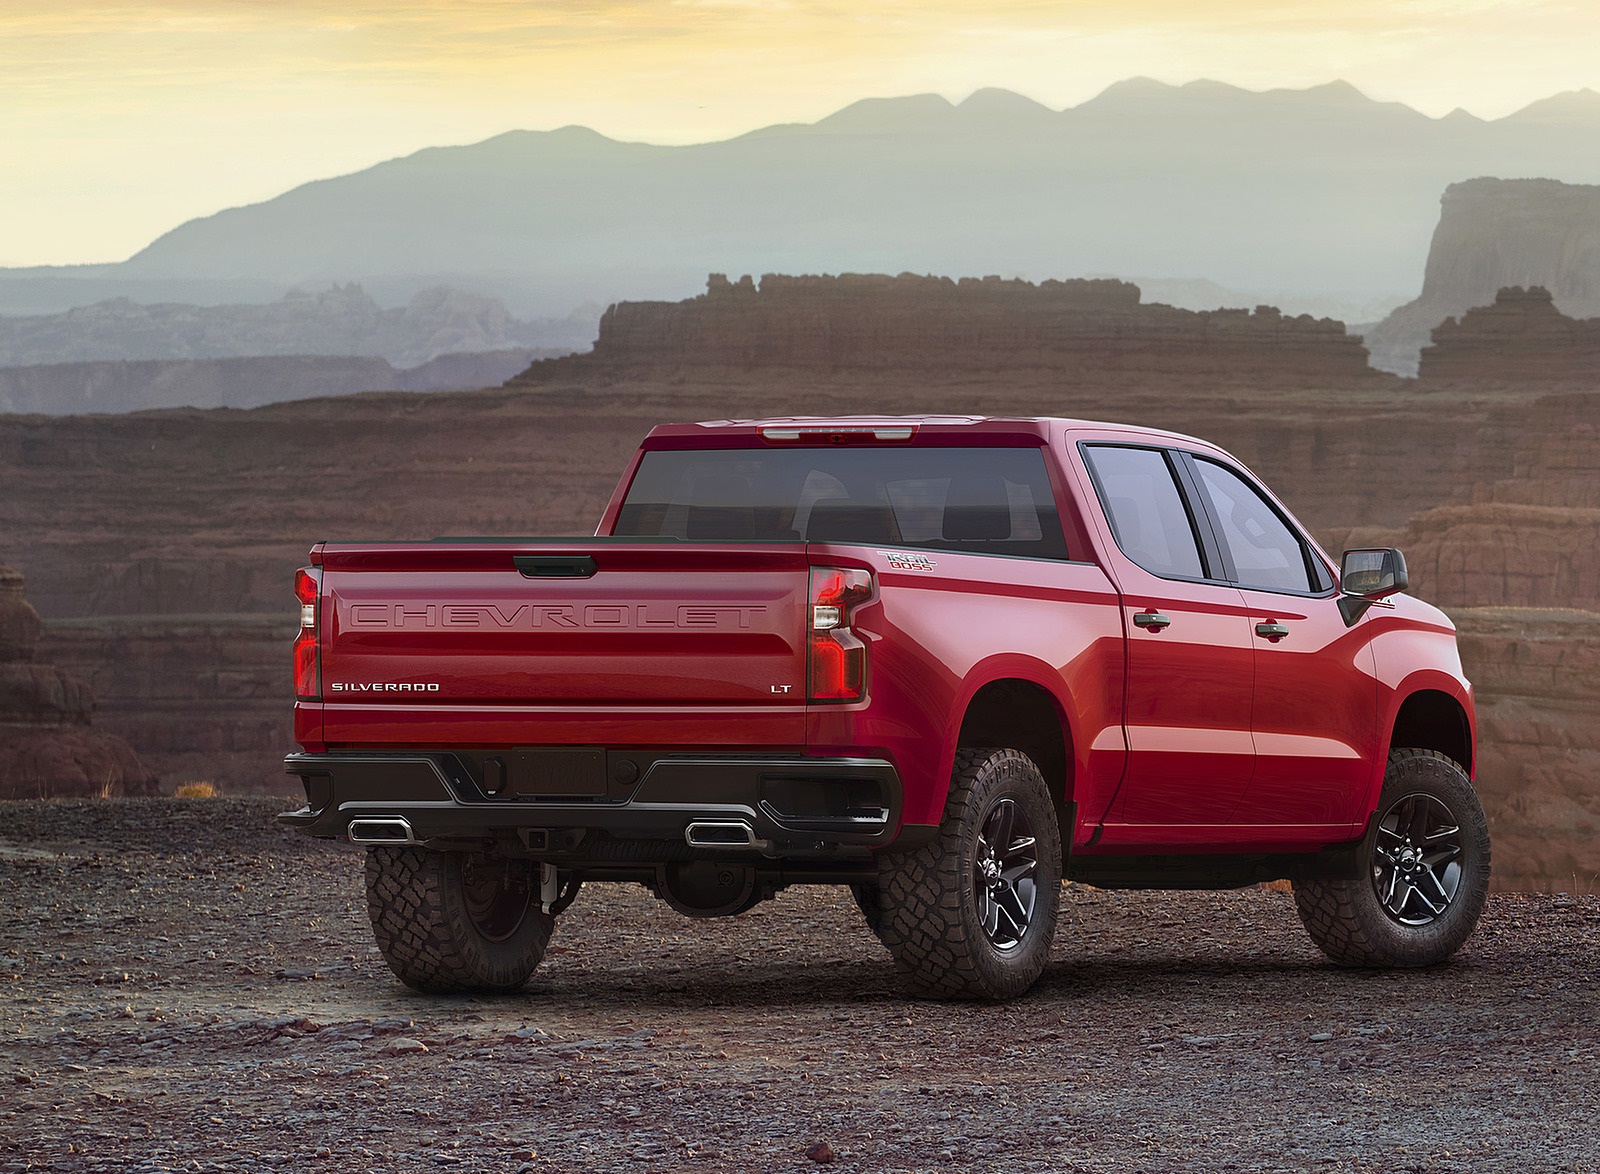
x=1087 y=331
x=1494 y=233
x=46 y=747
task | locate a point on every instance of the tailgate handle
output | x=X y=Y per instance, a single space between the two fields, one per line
x=554 y=566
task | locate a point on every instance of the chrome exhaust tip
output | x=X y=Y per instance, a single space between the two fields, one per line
x=389 y=829
x=722 y=833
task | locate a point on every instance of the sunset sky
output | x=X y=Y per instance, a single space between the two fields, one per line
x=120 y=121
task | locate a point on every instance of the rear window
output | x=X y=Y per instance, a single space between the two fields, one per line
x=978 y=500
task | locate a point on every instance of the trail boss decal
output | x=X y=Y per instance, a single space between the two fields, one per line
x=900 y=561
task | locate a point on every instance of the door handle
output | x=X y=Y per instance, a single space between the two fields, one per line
x=1153 y=620
x=1273 y=631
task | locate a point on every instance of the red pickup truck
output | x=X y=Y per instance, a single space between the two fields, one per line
x=947 y=661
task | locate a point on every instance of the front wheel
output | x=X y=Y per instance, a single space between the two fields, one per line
x=451 y=922
x=1422 y=872
x=971 y=915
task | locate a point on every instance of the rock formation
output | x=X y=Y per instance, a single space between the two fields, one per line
x=1085 y=331
x=46 y=746
x=1494 y=233
x=1522 y=341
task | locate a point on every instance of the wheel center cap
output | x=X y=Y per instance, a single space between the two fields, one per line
x=990 y=869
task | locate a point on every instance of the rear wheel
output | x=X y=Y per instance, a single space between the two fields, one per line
x=971 y=915
x=456 y=921
x=1422 y=872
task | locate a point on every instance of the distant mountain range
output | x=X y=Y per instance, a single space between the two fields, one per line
x=65 y=389
x=1323 y=194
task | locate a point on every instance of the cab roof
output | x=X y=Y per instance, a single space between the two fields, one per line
x=885 y=429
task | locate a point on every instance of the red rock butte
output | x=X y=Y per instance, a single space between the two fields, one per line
x=1087 y=330
x=1522 y=339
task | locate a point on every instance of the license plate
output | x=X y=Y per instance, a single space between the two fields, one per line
x=569 y=773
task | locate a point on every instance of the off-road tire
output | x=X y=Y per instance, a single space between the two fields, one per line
x=929 y=902
x=1347 y=918
x=418 y=903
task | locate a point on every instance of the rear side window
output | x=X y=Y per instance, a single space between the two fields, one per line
x=1146 y=511
x=977 y=500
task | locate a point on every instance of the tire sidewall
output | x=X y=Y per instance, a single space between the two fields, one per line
x=501 y=965
x=1425 y=945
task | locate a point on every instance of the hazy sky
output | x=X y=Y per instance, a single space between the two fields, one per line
x=119 y=121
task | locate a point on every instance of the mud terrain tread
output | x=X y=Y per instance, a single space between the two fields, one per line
x=1342 y=931
x=921 y=893
x=424 y=935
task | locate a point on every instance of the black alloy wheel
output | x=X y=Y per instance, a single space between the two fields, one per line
x=1416 y=859
x=1004 y=872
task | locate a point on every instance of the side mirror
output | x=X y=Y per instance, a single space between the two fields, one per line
x=1372 y=574
x=1366 y=576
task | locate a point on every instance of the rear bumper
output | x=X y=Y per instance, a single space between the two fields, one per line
x=645 y=806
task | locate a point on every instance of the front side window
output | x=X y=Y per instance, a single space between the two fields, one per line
x=1148 y=518
x=1267 y=553
x=977 y=500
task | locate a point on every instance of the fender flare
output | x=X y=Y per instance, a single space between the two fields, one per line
x=1010 y=666
x=1423 y=680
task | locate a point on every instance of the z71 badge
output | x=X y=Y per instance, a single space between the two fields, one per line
x=901 y=561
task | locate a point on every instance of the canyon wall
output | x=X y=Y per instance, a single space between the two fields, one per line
x=1526 y=531
x=1536 y=675
x=1494 y=233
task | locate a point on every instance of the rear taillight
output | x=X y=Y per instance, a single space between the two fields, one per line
x=838 y=656
x=305 y=644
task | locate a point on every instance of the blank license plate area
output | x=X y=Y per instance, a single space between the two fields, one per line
x=570 y=773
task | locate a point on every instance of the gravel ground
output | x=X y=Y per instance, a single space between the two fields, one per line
x=185 y=987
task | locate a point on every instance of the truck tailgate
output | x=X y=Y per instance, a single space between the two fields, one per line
x=566 y=623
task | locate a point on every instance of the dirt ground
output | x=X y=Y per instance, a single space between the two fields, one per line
x=184 y=987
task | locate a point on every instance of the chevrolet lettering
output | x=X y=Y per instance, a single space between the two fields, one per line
x=946 y=661
x=507 y=617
